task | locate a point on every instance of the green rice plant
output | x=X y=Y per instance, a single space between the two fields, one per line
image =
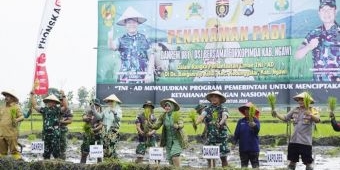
x=87 y=128
x=271 y=101
x=176 y=116
x=252 y=111
x=193 y=117
x=215 y=115
x=307 y=100
x=332 y=103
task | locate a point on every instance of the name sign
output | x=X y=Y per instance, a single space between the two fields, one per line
x=96 y=151
x=156 y=153
x=275 y=158
x=37 y=147
x=211 y=152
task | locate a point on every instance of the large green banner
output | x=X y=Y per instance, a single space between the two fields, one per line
x=152 y=49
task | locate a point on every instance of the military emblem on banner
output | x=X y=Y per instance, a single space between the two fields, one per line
x=194 y=10
x=248 y=7
x=281 y=5
x=165 y=10
x=108 y=12
x=222 y=8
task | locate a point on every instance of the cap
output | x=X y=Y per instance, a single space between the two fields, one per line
x=330 y=3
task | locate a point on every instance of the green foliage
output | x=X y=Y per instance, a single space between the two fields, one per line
x=176 y=117
x=32 y=137
x=82 y=96
x=252 y=111
x=332 y=103
x=193 y=117
x=271 y=101
x=307 y=100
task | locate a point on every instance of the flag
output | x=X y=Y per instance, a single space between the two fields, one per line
x=48 y=21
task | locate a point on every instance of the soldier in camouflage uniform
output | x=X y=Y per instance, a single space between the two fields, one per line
x=132 y=46
x=324 y=42
x=111 y=117
x=10 y=116
x=215 y=117
x=146 y=136
x=92 y=129
x=51 y=115
x=66 y=119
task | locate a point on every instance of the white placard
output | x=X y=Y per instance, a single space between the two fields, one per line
x=96 y=151
x=275 y=157
x=156 y=153
x=37 y=147
x=211 y=152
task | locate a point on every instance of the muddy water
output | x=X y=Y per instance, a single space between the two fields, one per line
x=192 y=157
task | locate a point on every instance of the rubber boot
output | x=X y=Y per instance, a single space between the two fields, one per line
x=83 y=158
x=224 y=161
x=176 y=161
x=139 y=160
x=211 y=163
x=291 y=166
x=309 y=167
x=21 y=146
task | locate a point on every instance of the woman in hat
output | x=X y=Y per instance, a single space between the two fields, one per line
x=246 y=134
x=132 y=46
x=146 y=136
x=304 y=120
x=10 y=116
x=51 y=114
x=92 y=129
x=172 y=138
x=110 y=117
x=215 y=117
x=335 y=125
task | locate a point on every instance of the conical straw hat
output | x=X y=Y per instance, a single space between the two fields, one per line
x=112 y=97
x=51 y=97
x=131 y=13
x=302 y=95
x=11 y=93
x=247 y=106
x=162 y=103
x=208 y=96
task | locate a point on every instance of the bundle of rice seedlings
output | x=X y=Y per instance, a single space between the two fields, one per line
x=332 y=103
x=87 y=128
x=193 y=117
x=307 y=100
x=215 y=115
x=252 y=111
x=13 y=117
x=271 y=101
x=176 y=117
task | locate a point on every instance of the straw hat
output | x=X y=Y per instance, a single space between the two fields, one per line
x=302 y=95
x=247 y=106
x=112 y=97
x=208 y=96
x=11 y=93
x=162 y=103
x=51 y=97
x=133 y=14
x=148 y=103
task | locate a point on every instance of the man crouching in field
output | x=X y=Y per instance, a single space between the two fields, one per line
x=304 y=118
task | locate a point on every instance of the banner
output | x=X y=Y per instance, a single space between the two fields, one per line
x=245 y=49
x=49 y=19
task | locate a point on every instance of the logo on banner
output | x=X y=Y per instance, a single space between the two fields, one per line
x=222 y=8
x=281 y=5
x=194 y=10
x=40 y=75
x=108 y=12
x=165 y=10
x=248 y=7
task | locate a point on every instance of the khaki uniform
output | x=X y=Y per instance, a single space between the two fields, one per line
x=9 y=130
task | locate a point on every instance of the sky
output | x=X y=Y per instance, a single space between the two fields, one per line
x=71 y=57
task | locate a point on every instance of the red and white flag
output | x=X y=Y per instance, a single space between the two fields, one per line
x=48 y=21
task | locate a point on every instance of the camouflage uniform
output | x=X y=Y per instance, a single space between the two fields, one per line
x=326 y=56
x=133 y=53
x=91 y=138
x=63 y=134
x=216 y=135
x=51 y=131
x=145 y=141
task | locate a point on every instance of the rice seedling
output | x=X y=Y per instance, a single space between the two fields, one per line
x=272 y=101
